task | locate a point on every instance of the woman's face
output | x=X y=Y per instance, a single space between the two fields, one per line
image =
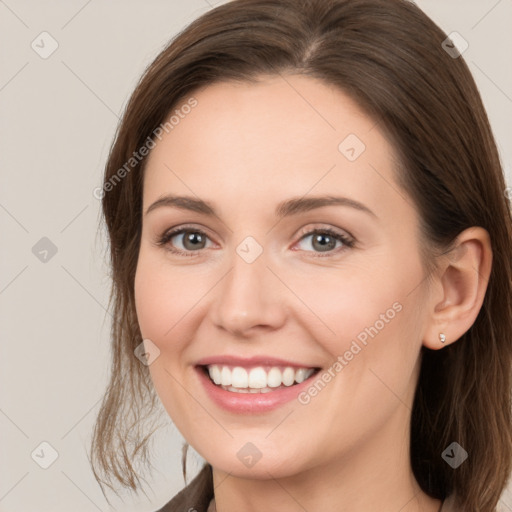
x=262 y=297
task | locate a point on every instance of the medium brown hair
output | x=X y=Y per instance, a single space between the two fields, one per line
x=387 y=55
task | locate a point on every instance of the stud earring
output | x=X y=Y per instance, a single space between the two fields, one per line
x=442 y=337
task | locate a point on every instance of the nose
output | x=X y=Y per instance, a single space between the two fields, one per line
x=249 y=299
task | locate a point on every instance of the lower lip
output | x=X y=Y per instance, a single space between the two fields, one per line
x=251 y=402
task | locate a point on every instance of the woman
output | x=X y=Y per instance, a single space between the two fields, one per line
x=310 y=246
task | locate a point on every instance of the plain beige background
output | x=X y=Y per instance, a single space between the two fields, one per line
x=58 y=115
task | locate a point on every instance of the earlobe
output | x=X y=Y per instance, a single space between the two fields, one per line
x=462 y=282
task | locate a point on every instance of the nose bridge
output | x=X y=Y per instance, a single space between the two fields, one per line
x=249 y=295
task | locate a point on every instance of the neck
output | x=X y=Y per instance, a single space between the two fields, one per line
x=373 y=476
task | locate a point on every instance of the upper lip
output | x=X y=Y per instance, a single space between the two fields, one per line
x=230 y=360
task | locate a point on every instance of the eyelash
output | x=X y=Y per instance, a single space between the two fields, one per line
x=167 y=236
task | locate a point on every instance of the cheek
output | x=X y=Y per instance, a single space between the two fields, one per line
x=162 y=301
x=163 y=297
x=371 y=318
x=151 y=306
x=346 y=304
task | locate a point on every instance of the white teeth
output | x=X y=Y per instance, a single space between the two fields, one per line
x=301 y=375
x=215 y=374
x=274 y=378
x=239 y=377
x=256 y=380
x=225 y=376
x=288 y=376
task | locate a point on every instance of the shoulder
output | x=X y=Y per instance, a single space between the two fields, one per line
x=195 y=496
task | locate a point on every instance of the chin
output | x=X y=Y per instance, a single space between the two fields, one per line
x=246 y=460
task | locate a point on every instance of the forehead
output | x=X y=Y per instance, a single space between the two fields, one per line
x=281 y=136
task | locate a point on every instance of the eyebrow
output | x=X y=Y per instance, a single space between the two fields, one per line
x=286 y=208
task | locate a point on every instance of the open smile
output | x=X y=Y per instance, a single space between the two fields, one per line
x=253 y=386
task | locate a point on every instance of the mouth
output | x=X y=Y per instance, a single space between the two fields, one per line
x=256 y=379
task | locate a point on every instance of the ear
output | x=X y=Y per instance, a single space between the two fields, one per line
x=459 y=288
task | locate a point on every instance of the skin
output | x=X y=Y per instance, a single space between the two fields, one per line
x=245 y=148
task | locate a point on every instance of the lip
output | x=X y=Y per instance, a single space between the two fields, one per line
x=248 y=362
x=251 y=403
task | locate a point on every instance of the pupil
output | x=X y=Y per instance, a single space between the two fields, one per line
x=328 y=245
x=193 y=238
